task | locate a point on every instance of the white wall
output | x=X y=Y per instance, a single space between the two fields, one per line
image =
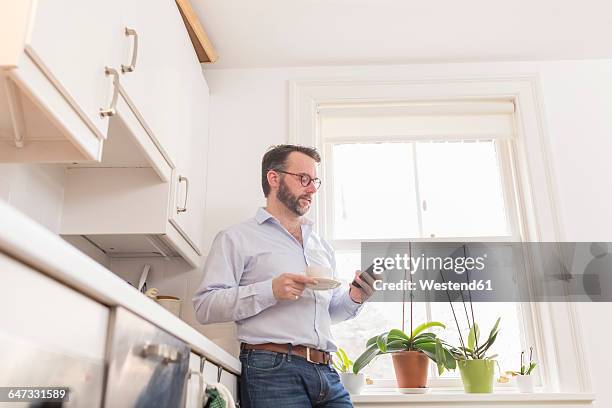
x=35 y=189
x=249 y=112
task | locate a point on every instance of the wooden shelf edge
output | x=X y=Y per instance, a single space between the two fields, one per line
x=201 y=43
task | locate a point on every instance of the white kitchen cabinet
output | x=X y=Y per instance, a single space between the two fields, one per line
x=53 y=82
x=160 y=77
x=55 y=85
x=187 y=212
x=127 y=211
x=50 y=334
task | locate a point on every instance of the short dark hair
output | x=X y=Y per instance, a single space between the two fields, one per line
x=276 y=159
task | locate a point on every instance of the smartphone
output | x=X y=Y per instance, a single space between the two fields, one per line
x=370 y=272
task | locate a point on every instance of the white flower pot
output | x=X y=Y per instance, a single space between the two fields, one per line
x=525 y=383
x=353 y=383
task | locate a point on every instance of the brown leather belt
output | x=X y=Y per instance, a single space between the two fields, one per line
x=310 y=354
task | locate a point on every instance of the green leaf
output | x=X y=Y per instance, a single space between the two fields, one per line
x=371 y=341
x=381 y=342
x=427 y=348
x=423 y=341
x=473 y=336
x=396 y=345
x=451 y=363
x=398 y=334
x=440 y=360
x=421 y=336
x=483 y=349
x=531 y=367
x=425 y=326
x=344 y=357
x=365 y=358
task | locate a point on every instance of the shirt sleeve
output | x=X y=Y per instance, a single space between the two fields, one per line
x=341 y=306
x=220 y=298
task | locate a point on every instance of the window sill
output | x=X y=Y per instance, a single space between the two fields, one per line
x=443 y=397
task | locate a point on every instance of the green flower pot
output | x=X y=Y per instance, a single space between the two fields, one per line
x=477 y=375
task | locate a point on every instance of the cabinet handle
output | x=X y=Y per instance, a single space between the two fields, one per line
x=132 y=66
x=200 y=386
x=111 y=110
x=184 y=207
x=165 y=352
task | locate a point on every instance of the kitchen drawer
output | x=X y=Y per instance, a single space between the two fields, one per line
x=50 y=335
x=148 y=367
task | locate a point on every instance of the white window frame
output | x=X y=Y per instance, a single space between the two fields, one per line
x=555 y=327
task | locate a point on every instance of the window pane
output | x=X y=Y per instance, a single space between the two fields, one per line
x=374 y=191
x=461 y=185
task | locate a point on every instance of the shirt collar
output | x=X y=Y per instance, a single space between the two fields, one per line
x=262 y=216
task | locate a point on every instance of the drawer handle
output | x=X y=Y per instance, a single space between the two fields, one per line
x=164 y=352
x=132 y=66
x=184 y=207
x=111 y=110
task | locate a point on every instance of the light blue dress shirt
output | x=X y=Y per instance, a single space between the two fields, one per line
x=237 y=285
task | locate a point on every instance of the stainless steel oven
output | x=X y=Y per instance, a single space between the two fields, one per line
x=147 y=366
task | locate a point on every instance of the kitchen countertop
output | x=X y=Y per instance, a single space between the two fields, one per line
x=26 y=240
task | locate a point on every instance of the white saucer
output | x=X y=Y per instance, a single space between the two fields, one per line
x=413 y=390
x=324 y=284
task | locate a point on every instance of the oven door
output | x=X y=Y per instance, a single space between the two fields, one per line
x=147 y=366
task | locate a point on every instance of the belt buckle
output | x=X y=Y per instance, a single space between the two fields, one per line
x=308 y=356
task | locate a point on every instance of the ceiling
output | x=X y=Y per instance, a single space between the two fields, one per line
x=266 y=33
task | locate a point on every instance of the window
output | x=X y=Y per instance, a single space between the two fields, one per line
x=514 y=121
x=427 y=172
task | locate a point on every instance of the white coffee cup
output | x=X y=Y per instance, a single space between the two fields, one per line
x=319 y=272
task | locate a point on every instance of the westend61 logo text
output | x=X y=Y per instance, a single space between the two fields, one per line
x=458 y=264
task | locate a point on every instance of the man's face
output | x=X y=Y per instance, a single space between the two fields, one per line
x=291 y=193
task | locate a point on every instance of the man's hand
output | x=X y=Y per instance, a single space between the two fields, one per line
x=367 y=288
x=290 y=286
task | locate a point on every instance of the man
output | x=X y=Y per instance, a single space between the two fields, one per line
x=254 y=275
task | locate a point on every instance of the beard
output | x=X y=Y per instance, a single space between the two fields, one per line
x=291 y=201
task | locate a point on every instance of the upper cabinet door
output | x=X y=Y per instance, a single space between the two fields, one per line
x=187 y=212
x=156 y=55
x=72 y=42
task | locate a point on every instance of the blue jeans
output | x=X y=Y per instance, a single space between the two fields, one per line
x=279 y=380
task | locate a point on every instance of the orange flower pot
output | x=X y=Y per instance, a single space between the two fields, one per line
x=411 y=369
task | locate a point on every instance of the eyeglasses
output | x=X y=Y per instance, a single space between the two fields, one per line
x=305 y=179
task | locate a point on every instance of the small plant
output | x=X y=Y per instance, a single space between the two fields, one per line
x=396 y=340
x=344 y=364
x=526 y=369
x=475 y=350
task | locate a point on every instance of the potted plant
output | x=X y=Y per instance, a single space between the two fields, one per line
x=476 y=368
x=524 y=379
x=410 y=354
x=351 y=378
